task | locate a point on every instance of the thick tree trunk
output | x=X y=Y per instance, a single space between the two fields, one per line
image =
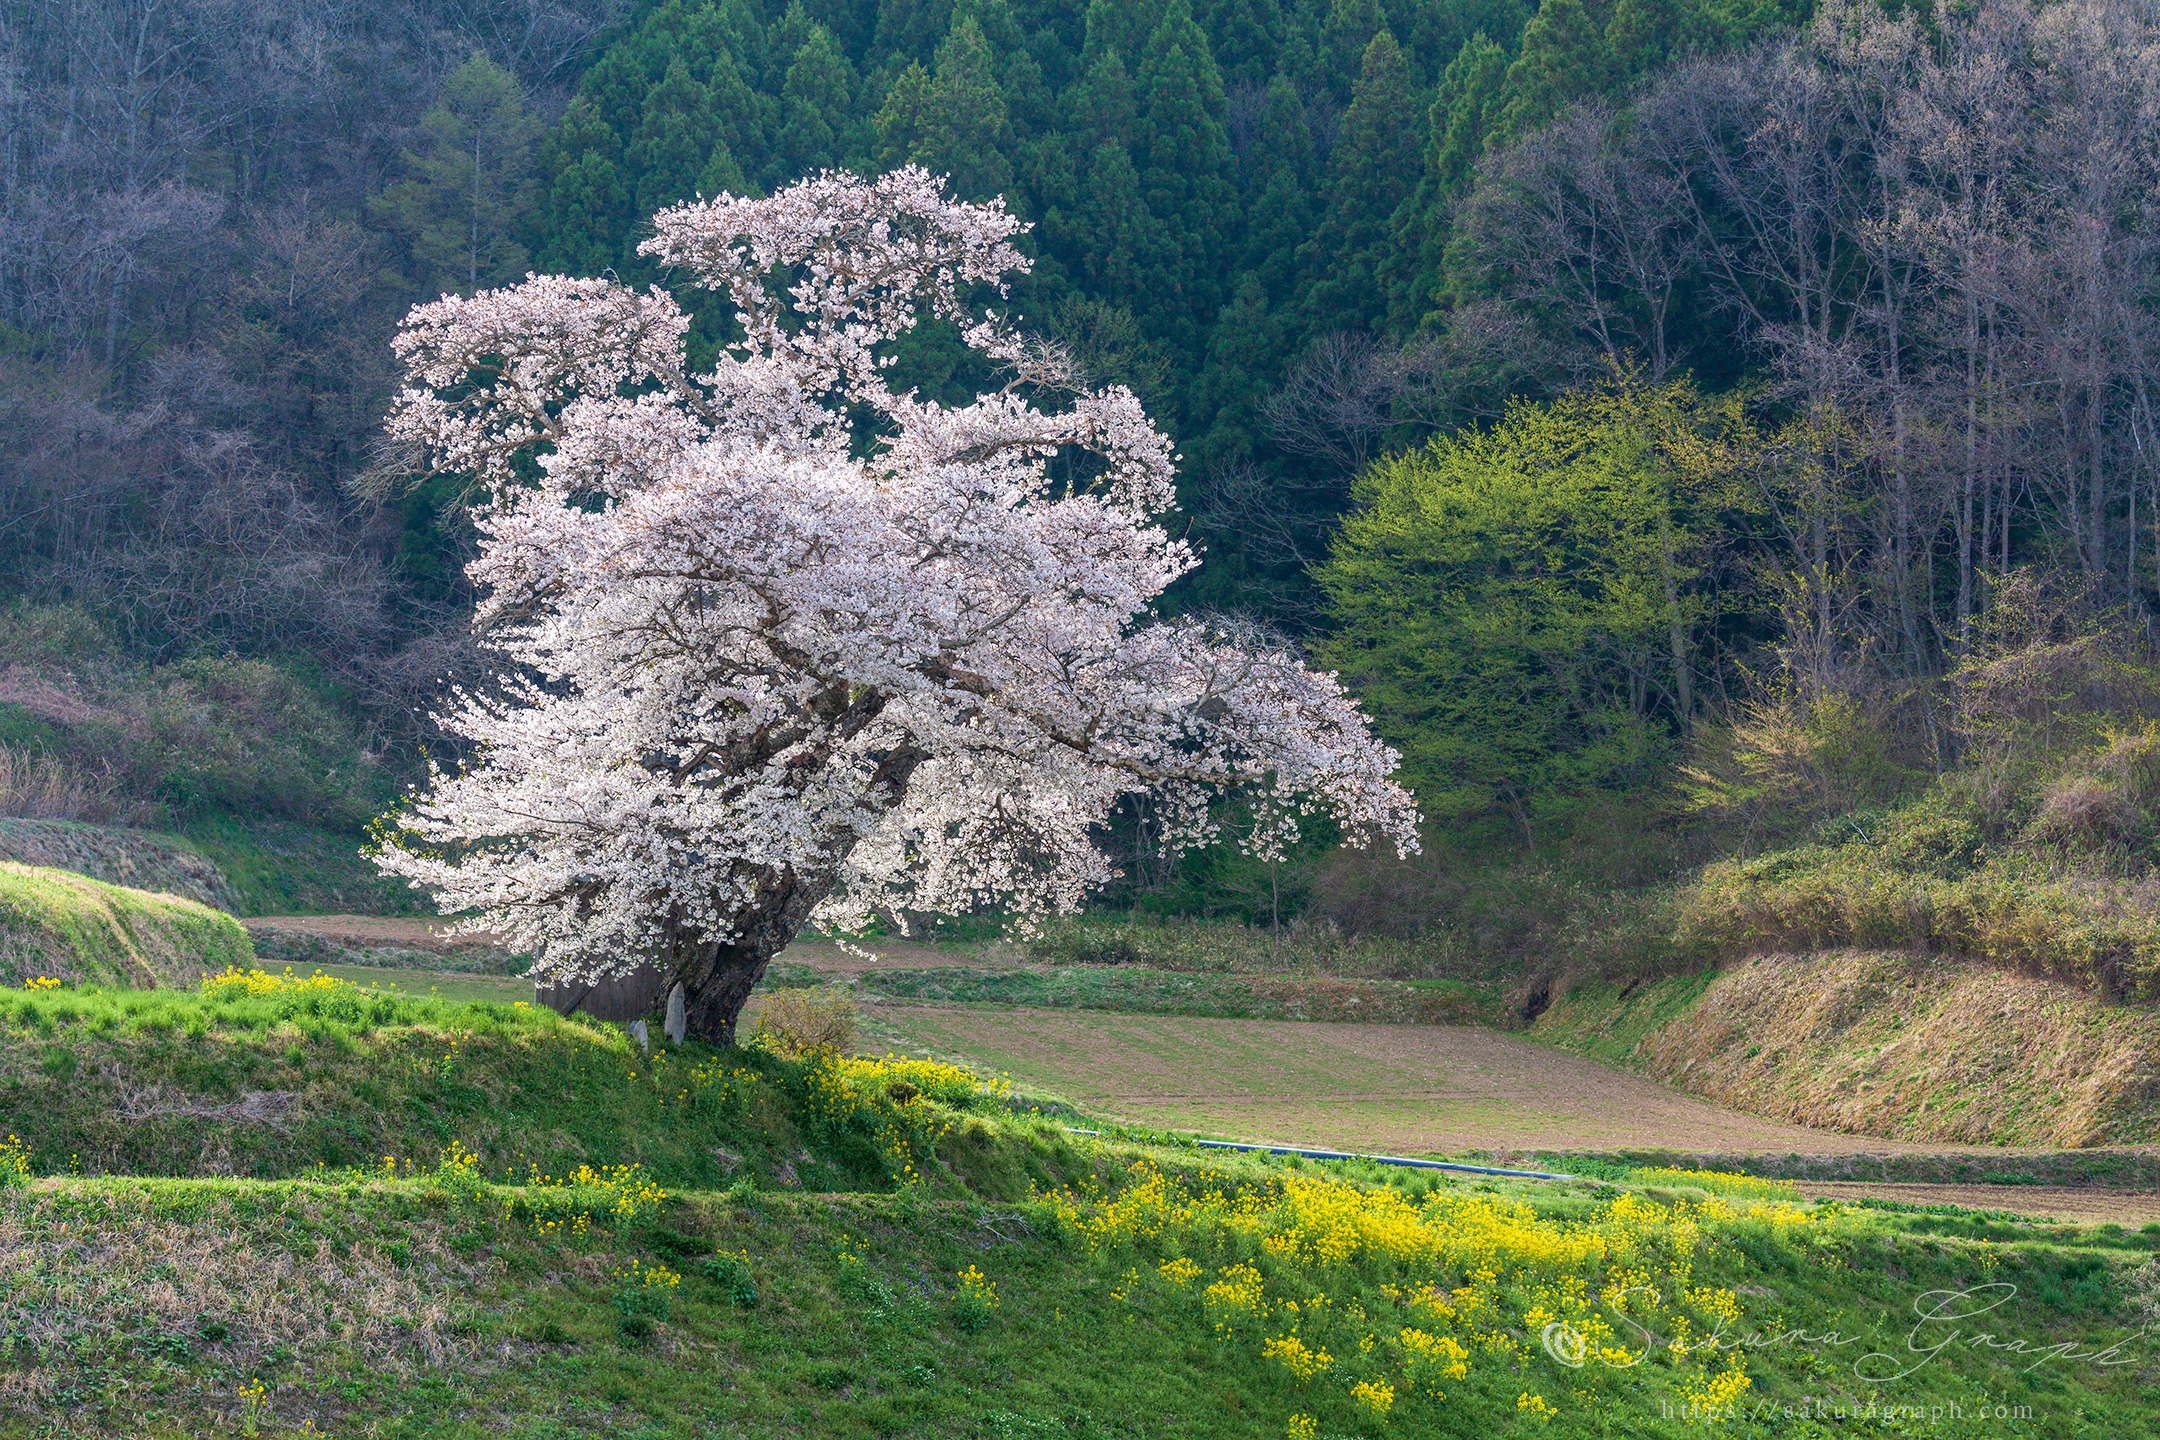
x=717 y=976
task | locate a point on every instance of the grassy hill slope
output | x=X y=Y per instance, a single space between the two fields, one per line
x=275 y=1076
x=61 y=925
x=1905 y=1046
x=479 y=1219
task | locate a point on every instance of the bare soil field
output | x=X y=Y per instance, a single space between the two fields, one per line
x=1400 y=1088
x=1410 y=1090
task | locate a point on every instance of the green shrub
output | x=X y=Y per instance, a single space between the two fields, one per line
x=795 y=1023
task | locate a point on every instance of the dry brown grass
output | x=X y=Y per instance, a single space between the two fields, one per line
x=38 y=787
x=82 y=1265
x=2087 y=812
x=1907 y=1047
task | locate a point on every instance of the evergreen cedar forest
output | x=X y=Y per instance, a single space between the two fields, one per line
x=1716 y=441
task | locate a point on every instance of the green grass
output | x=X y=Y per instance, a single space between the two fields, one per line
x=1396 y=1089
x=443 y=984
x=758 y=1270
x=1225 y=947
x=1608 y=1019
x=60 y=924
x=277 y=867
x=327 y=1074
x=441 y=1307
x=1141 y=990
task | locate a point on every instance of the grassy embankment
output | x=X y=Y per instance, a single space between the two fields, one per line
x=1979 y=964
x=1904 y=1046
x=760 y=1246
x=64 y=926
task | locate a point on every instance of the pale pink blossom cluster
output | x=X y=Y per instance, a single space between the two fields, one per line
x=784 y=644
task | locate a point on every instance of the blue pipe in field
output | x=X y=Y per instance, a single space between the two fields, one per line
x=1402 y=1160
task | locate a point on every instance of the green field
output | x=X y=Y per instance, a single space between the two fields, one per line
x=446 y=984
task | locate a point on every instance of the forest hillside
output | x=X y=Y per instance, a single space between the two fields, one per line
x=1693 y=430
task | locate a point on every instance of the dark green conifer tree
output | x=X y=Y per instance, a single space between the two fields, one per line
x=1246 y=36
x=853 y=23
x=965 y=132
x=1433 y=32
x=783 y=42
x=1120 y=25
x=1101 y=105
x=674 y=141
x=1118 y=249
x=1466 y=107
x=1640 y=36
x=1563 y=57
x=817 y=106
x=899 y=121
x=620 y=79
x=1370 y=173
x=1347 y=31
x=1246 y=355
x=584 y=212
x=1281 y=196
x=739 y=117
x=908 y=29
x=1187 y=175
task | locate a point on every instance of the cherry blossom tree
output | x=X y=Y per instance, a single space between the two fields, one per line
x=780 y=644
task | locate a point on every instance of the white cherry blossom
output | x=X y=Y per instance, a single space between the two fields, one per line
x=782 y=645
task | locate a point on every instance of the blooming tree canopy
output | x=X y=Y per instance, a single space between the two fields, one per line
x=783 y=644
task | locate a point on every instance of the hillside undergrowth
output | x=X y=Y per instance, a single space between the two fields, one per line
x=1150 y=1294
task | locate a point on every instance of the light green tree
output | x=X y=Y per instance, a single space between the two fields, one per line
x=1520 y=607
x=468 y=192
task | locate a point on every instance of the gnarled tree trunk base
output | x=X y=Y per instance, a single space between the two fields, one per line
x=717 y=976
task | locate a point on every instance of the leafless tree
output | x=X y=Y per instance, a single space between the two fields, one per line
x=1351 y=388
x=1580 y=221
